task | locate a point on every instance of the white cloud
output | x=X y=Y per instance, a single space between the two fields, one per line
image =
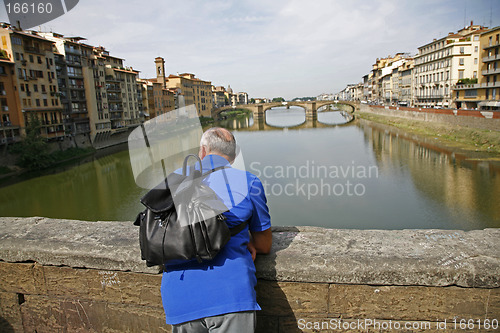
x=269 y=48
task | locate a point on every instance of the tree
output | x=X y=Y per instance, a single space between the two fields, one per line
x=33 y=150
x=278 y=99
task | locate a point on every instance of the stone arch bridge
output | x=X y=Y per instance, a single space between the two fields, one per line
x=311 y=108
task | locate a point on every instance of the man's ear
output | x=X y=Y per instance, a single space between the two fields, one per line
x=203 y=152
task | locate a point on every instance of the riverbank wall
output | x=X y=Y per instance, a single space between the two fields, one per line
x=78 y=276
x=487 y=120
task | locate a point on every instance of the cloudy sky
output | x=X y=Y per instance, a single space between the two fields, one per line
x=268 y=48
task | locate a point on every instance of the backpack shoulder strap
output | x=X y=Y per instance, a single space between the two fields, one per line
x=213 y=170
x=238 y=228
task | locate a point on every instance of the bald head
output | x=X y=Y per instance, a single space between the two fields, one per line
x=219 y=141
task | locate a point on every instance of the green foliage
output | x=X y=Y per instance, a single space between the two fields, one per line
x=303 y=99
x=235 y=112
x=467 y=81
x=4 y=54
x=4 y=170
x=278 y=99
x=252 y=100
x=33 y=150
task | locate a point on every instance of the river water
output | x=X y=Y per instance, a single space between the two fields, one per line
x=358 y=175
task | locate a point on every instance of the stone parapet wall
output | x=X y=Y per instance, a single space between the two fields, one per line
x=77 y=276
x=488 y=120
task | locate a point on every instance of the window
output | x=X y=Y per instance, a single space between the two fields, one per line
x=475 y=61
x=461 y=74
x=31 y=58
x=19 y=41
x=471 y=93
x=462 y=50
x=461 y=61
x=476 y=49
x=474 y=75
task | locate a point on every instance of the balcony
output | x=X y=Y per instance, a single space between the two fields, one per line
x=491 y=58
x=83 y=110
x=432 y=97
x=111 y=78
x=466 y=86
x=32 y=49
x=491 y=71
x=113 y=88
x=75 y=74
x=491 y=84
x=493 y=44
x=72 y=50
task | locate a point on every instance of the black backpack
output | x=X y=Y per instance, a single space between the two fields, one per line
x=190 y=227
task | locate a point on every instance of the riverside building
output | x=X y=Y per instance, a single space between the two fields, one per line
x=10 y=111
x=70 y=81
x=483 y=93
x=78 y=91
x=35 y=82
x=440 y=65
x=490 y=69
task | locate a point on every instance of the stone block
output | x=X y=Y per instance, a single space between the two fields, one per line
x=290 y=298
x=17 y=278
x=103 y=285
x=10 y=313
x=45 y=314
x=410 y=303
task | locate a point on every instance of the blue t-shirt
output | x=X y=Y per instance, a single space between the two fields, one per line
x=227 y=283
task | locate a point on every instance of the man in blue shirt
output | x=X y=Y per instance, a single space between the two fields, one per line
x=219 y=295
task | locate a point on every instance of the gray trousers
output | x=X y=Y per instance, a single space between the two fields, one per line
x=238 y=322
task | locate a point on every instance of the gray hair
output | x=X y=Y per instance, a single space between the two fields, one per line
x=219 y=140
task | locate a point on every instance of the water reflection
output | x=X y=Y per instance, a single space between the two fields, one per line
x=469 y=189
x=283 y=117
x=334 y=117
x=103 y=189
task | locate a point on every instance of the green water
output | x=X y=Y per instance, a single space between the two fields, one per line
x=352 y=176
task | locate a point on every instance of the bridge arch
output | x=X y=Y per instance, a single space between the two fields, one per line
x=301 y=118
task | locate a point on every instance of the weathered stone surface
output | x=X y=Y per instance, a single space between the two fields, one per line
x=288 y=298
x=412 y=303
x=44 y=314
x=17 y=278
x=102 y=245
x=307 y=254
x=384 y=257
x=101 y=285
x=88 y=277
x=10 y=313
